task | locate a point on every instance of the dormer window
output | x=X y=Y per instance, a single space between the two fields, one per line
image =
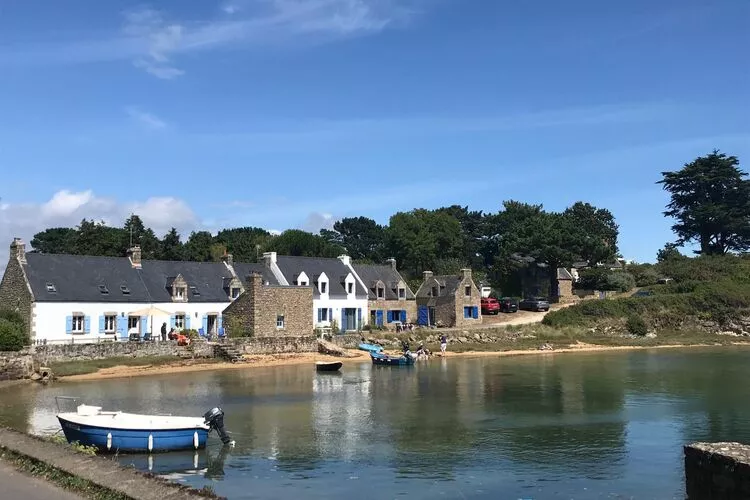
x=350 y=288
x=303 y=283
x=323 y=287
x=103 y=290
x=195 y=291
x=179 y=293
x=125 y=290
x=51 y=288
x=467 y=291
x=402 y=293
x=235 y=293
x=434 y=291
x=381 y=292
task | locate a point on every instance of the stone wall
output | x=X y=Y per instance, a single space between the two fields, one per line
x=275 y=345
x=16 y=365
x=461 y=301
x=15 y=294
x=352 y=341
x=254 y=313
x=717 y=471
x=78 y=352
x=410 y=306
x=565 y=290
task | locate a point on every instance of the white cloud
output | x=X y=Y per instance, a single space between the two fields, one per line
x=151 y=40
x=67 y=209
x=145 y=119
x=317 y=221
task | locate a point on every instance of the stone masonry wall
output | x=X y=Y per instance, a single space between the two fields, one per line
x=16 y=365
x=78 y=352
x=410 y=306
x=717 y=471
x=463 y=301
x=14 y=292
x=275 y=345
x=565 y=288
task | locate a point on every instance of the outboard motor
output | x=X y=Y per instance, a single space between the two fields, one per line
x=214 y=418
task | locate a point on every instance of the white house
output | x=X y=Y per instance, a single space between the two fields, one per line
x=78 y=298
x=339 y=297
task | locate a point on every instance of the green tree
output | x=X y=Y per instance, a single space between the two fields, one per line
x=170 y=247
x=473 y=234
x=96 y=238
x=60 y=240
x=710 y=201
x=362 y=238
x=198 y=247
x=669 y=252
x=136 y=233
x=246 y=244
x=12 y=337
x=301 y=243
x=597 y=232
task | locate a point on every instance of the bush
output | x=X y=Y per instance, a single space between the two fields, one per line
x=620 y=281
x=636 y=325
x=12 y=336
x=644 y=274
x=604 y=279
x=12 y=316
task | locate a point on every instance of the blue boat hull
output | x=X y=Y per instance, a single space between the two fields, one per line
x=124 y=440
x=370 y=347
x=385 y=360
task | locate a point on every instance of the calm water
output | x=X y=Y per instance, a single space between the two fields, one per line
x=579 y=426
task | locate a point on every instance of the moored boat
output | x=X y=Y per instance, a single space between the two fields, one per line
x=378 y=358
x=364 y=346
x=118 y=431
x=328 y=366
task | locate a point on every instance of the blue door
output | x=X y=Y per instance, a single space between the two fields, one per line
x=379 y=318
x=122 y=327
x=423 y=316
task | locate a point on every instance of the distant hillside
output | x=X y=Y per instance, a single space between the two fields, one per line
x=707 y=292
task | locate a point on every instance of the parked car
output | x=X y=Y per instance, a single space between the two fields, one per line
x=490 y=305
x=534 y=304
x=508 y=304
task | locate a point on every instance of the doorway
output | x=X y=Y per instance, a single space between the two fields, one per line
x=134 y=324
x=431 y=313
x=211 y=324
x=348 y=319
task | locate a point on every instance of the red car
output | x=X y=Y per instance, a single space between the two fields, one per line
x=490 y=306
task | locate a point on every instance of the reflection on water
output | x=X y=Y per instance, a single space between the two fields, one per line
x=544 y=427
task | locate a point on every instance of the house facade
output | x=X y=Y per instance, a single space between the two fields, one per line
x=79 y=298
x=389 y=298
x=339 y=297
x=448 y=300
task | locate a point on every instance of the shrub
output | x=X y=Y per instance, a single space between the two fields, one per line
x=12 y=316
x=644 y=274
x=12 y=336
x=636 y=325
x=620 y=281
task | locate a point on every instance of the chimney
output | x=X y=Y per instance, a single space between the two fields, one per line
x=255 y=280
x=466 y=273
x=427 y=275
x=269 y=258
x=345 y=259
x=134 y=254
x=228 y=259
x=18 y=250
x=392 y=262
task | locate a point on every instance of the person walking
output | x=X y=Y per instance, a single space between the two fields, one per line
x=443 y=344
x=163 y=332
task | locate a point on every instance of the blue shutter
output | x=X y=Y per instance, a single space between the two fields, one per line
x=205 y=323
x=86 y=324
x=220 y=326
x=68 y=324
x=187 y=321
x=403 y=316
x=171 y=321
x=379 y=318
x=144 y=325
x=423 y=316
x=359 y=318
x=475 y=312
x=466 y=312
x=101 y=324
x=343 y=320
x=122 y=327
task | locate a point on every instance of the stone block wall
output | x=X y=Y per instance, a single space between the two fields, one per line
x=15 y=294
x=410 y=306
x=275 y=345
x=350 y=341
x=462 y=301
x=565 y=290
x=717 y=471
x=80 y=352
x=16 y=365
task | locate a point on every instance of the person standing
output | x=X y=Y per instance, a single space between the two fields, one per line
x=443 y=344
x=163 y=332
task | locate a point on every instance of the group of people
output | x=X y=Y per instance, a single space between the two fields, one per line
x=422 y=351
x=173 y=335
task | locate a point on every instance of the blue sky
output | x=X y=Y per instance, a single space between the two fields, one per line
x=292 y=113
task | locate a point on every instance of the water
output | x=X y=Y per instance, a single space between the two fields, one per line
x=583 y=426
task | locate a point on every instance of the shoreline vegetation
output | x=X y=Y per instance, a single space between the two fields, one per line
x=526 y=341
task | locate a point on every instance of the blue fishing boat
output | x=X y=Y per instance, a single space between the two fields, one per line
x=364 y=346
x=378 y=358
x=117 y=431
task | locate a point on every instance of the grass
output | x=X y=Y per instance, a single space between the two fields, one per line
x=67 y=368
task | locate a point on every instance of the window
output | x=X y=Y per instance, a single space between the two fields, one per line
x=134 y=322
x=195 y=291
x=402 y=293
x=323 y=286
x=381 y=292
x=125 y=290
x=434 y=291
x=78 y=323
x=179 y=293
x=51 y=288
x=280 y=321
x=110 y=323
x=471 y=312
x=179 y=321
x=323 y=314
x=303 y=283
x=467 y=291
x=235 y=293
x=103 y=290
x=350 y=288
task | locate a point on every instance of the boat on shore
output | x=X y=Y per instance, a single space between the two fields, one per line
x=381 y=359
x=328 y=366
x=117 y=431
x=364 y=346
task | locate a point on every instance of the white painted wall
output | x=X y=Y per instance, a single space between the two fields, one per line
x=337 y=305
x=50 y=317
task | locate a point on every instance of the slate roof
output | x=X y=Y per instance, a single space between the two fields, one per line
x=77 y=278
x=563 y=274
x=451 y=283
x=314 y=266
x=385 y=273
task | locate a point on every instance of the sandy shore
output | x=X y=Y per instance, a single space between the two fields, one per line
x=357 y=357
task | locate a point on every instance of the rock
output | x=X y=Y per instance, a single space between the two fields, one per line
x=477 y=337
x=463 y=339
x=650 y=335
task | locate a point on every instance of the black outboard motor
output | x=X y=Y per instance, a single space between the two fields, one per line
x=214 y=418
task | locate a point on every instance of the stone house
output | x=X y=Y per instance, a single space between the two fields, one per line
x=449 y=300
x=270 y=310
x=389 y=297
x=564 y=286
x=80 y=298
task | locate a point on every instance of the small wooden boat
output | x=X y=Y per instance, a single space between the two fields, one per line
x=378 y=358
x=117 y=431
x=364 y=346
x=328 y=366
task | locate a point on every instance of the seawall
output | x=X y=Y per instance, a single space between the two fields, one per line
x=717 y=471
